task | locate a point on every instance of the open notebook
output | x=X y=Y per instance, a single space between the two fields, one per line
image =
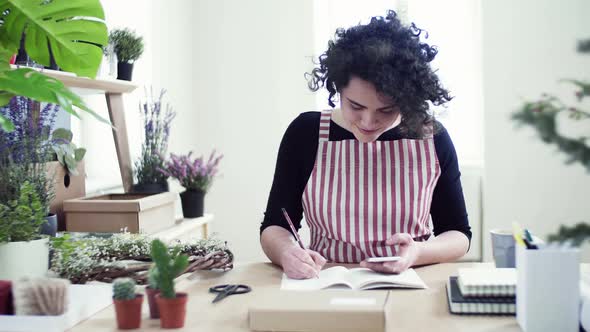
x=357 y=278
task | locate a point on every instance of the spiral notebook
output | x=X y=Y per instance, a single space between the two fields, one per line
x=487 y=282
x=459 y=304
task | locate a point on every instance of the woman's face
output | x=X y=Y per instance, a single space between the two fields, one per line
x=367 y=113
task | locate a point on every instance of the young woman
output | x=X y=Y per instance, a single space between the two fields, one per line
x=369 y=176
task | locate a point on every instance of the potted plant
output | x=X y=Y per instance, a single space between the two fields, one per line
x=128 y=47
x=75 y=48
x=196 y=176
x=27 y=149
x=127 y=304
x=152 y=290
x=156 y=125
x=23 y=250
x=172 y=304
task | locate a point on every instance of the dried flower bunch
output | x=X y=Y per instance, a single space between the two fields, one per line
x=193 y=174
x=128 y=255
x=156 y=132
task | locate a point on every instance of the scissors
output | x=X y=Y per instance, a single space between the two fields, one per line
x=227 y=290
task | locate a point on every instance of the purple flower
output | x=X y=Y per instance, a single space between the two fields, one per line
x=193 y=174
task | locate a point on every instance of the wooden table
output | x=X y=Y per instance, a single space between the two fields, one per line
x=415 y=310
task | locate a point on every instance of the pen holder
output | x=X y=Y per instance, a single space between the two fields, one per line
x=548 y=289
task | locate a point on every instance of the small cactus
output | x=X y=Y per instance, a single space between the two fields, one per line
x=170 y=265
x=124 y=289
x=153 y=277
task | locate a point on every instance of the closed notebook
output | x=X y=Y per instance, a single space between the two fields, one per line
x=356 y=278
x=458 y=304
x=482 y=282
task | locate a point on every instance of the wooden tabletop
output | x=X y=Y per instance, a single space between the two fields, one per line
x=414 y=310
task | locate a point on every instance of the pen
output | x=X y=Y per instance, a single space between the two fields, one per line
x=516 y=232
x=295 y=234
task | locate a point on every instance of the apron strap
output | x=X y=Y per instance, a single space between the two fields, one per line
x=324 y=129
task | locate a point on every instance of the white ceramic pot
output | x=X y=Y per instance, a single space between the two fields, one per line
x=24 y=259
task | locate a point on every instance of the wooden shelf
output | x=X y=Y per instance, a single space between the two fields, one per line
x=90 y=86
x=186 y=229
x=113 y=91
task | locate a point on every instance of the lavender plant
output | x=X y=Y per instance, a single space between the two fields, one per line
x=193 y=174
x=155 y=144
x=24 y=151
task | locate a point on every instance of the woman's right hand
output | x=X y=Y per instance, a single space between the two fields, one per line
x=298 y=263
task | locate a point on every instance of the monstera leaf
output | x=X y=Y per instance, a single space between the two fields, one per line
x=75 y=32
x=74 y=29
x=32 y=84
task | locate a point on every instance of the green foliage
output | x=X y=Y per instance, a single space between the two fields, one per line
x=124 y=289
x=21 y=220
x=75 y=32
x=577 y=234
x=128 y=45
x=67 y=153
x=170 y=265
x=153 y=276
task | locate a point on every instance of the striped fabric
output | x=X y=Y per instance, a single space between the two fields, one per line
x=359 y=194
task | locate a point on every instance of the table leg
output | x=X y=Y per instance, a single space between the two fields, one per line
x=117 y=116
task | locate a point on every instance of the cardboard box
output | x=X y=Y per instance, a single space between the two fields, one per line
x=67 y=186
x=139 y=213
x=325 y=310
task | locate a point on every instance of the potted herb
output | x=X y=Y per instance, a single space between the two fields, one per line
x=128 y=47
x=23 y=251
x=26 y=151
x=152 y=290
x=196 y=176
x=172 y=304
x=156 y=124
x=127 y=304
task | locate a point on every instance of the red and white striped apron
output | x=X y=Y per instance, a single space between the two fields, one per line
x=359 y=194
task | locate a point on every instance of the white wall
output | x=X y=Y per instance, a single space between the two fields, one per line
x=247 y=65
x=527 y=46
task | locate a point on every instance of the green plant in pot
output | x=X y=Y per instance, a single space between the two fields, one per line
x=172 y=304
x=152 y=290
x=66 y=152
x=128 y=47
x=156 y=125
x=127 y=304
x=73 y=31
x=196 y=176
x=23 y=250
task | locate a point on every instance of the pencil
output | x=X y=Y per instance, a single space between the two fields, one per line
x=295 y=234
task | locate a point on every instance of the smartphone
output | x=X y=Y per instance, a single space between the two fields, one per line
x=383 y=259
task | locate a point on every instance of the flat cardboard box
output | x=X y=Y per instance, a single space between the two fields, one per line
x=67 y=186
x=111 y=213
x=325 y=310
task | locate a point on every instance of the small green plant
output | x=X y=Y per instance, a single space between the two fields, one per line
x=153 y=276
x=67 y=153
x=169 y=265
x=124 y=289
x=577 y=234
x=21 y=219
x=128 y=45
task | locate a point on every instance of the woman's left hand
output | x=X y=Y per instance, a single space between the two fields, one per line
x=408 y=250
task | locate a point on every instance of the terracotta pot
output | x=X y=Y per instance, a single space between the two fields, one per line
x=151 y=295
x=128 y=313
x=172 y=311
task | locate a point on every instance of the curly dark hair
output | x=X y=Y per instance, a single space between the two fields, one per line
x=391 y=57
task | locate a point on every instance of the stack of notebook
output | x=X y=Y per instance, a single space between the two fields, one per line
x=483 y=291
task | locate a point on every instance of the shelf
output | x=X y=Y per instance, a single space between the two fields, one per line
x=88 y=85
x=186 y=229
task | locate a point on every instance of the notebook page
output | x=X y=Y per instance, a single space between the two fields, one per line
x=363 y=278
x=336 y=275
